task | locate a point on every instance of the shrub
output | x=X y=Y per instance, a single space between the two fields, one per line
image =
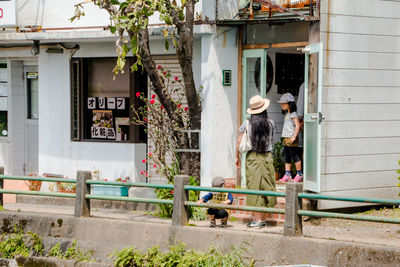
x=179 y=256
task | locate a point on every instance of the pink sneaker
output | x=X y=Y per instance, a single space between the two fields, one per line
x=285 y=178
x=298 y=179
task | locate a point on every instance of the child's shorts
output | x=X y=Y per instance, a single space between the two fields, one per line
x=218 y=213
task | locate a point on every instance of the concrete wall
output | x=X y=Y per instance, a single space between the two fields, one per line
x=219 y=114
x=361 y=99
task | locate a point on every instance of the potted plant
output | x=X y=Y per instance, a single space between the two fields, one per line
x=279 y=162
x=112 y=190
x=66 y=187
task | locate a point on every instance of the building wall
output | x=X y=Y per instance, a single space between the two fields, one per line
x=361 y=97
x=219 y=104
x=56 y=14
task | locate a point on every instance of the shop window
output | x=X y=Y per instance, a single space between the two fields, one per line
x=3 y=100
x=101 y=105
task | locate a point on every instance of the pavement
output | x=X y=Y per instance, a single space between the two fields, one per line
x=329 y=229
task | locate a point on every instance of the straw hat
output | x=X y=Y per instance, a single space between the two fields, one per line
x=257 y=104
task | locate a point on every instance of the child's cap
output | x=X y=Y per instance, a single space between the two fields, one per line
x=285 y=98
x=217 y=181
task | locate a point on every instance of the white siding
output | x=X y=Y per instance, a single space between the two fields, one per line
x=361 y=134
x=17 y=118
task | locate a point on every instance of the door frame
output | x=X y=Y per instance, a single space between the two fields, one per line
x=245 y=49
x=314 y=118
x=28 y=68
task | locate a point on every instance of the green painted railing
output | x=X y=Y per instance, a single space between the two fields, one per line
x=129 y=184
x=36 y=193
x=351 y=199
x=336 y=215
x=43 y=179
x=235 y=191
x=234 y=207
x=320 y=214
x=130 y=199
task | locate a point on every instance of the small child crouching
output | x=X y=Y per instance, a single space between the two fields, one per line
x=217 y=198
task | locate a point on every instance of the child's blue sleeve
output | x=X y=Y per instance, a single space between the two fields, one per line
x=230 y=198
x=208 y=197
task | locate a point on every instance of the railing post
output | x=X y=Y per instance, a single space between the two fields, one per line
x=293 y=222
x=82 y=205
x=180 y=214
x=1 y=185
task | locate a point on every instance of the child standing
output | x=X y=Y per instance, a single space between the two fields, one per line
x=217 y=198
x=290 y=131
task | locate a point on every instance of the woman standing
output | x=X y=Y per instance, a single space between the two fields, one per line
x=260 y=173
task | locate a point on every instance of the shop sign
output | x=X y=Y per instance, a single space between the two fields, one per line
x=8 y=13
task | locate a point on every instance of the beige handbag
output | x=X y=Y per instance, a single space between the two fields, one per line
x=245 y=143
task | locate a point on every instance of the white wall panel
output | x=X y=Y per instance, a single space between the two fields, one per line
x=386 y=192
x=360 y=180
x=362 y=60
x=369 y=8
x=355 y=129
x=361 y=163
x=356 y=77
x=363 y=112
x=362 y=95
x=361 y=146
x=357 y=25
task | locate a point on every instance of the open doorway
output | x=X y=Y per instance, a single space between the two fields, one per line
x=272 y=72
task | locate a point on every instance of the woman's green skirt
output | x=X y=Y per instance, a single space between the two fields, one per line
x=260 y=175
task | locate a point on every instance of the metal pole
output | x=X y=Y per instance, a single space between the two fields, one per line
x=293 y=221
x=82 y=205
x=1 y=185
x=180 y=213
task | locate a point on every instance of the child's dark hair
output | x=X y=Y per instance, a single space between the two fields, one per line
x=292 y=107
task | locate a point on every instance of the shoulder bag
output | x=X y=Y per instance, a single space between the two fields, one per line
x=245 y=144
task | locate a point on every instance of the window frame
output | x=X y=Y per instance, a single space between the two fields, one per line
x=79 y=94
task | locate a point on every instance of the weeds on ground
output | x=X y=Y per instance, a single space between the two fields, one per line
x=178 y=255
x=17 y=243
x=72 y=253
x=393 y=212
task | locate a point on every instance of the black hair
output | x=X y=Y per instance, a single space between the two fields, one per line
x=260 y=131
x=292 y=107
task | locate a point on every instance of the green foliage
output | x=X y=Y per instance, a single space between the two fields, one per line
x=37 y=243
x=13 y=245
x=181 y=257
x=18 y=243
x=279 y=162
x=133 y=17
x=72 y=253
x=195 y=213
x=56 y=252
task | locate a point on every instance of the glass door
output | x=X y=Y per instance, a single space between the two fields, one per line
x=254 y=67
x=312 y=117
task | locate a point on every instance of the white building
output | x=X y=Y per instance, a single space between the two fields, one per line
x=45 y=92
